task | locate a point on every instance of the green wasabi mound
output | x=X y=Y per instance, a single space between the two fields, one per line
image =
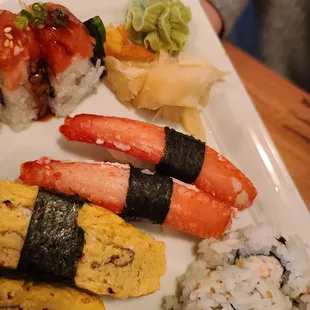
x=158 y=24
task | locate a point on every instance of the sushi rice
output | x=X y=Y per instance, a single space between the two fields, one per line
x=250 y=268
x=74 y=84
x=20 y=107
x=70 y=88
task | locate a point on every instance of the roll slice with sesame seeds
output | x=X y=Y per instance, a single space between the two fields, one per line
x=74 y=53
x=49 y=61
x=24 y=82
x=254 y=267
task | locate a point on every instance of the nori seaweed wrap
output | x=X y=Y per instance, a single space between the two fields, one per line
x=148 y=197
x=184 y=156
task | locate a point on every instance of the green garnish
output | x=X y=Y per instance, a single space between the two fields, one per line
x=27 y=14
x=37 y=16
x=38 y=8
x=100 y=26
x=21 y=22
x=37 y=22
x=23 y=5
x=60 y=19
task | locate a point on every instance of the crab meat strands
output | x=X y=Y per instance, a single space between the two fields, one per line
x=175 y=154
x=133 y=194
x=62 y=238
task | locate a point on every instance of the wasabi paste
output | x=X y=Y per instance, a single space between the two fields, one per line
x=158 y=24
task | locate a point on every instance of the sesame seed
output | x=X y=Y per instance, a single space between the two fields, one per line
x=212 y=289
x=219 y=281
x=41 y=26
x=20 y=43
x=17 y=50
x=7 y=43
x=239 y=263
x=7 y=29
x=227 y=296
x=9 y=36
x=269 y=294
x=11 y=44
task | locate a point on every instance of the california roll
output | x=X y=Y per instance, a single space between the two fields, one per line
x=250 y=268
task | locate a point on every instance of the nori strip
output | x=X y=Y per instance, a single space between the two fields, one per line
x=38 y=78
x=184 y=156
x=271 y=253
x=54 y=242
x=1 y=97
x=43 y=68
x=148 y=197
x=99 y=52
x=282 y=240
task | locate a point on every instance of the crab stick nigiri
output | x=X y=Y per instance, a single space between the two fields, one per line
x=175 y=154
x=133 y=193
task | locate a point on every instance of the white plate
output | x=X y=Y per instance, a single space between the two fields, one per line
x=233 y=126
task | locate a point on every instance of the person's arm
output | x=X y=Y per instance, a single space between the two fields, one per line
x=213 y=16
x=223 y=14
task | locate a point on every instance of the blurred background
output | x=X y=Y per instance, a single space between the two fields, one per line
x=268 y=42
x=275 y=32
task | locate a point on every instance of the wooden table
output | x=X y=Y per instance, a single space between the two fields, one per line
x=285 y=110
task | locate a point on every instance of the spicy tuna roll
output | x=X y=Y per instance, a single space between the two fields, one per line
x=73 y=50
x=24 y=83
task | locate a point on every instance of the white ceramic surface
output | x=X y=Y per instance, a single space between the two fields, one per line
x=233 y=128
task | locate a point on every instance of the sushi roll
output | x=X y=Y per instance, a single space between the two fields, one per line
x=60 y=238
x=49 y=60
x=73 y=51
x=250 y=268
x=24 y=81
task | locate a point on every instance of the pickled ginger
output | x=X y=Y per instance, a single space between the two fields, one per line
x=175 y=88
